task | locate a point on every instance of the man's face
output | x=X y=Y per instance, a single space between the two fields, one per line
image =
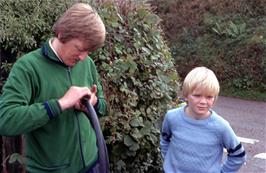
x=73 y=51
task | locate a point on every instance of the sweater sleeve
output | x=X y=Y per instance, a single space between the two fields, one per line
x=18 y=113
x=236 y=154
x=165 y=136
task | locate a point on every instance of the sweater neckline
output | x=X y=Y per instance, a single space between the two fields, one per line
x=48 y=53
x=193 y=121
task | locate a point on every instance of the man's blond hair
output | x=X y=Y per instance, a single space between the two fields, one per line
x=201 y=77
x=82 y=22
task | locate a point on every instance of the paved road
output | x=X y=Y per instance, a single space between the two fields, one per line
x=248 y=119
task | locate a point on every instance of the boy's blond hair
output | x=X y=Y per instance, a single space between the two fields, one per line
x=82 y=22
x=201 y=77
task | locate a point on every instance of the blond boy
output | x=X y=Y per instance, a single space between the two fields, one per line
x=193 y=136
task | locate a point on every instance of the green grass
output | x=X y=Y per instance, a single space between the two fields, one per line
x=243 y=94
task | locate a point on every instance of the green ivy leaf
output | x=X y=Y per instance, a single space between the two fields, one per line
x=128 y=141
x=134 y=147
x=146 y=50
x=120 y=164
x=137 y=122
x=15 y=157
x=136 y=134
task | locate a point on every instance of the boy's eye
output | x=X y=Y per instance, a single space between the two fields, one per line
x=196 y=95
x=210 y=97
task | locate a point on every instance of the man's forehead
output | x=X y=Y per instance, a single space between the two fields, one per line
x=80 y=45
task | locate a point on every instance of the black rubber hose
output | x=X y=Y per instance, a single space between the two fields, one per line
x=103 y=159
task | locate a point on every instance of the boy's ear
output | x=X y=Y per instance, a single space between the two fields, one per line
x=185 y=98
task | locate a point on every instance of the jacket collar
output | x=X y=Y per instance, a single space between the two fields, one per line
x=48 y=53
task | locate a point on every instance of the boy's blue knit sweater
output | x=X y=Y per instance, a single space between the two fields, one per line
x=196 y=146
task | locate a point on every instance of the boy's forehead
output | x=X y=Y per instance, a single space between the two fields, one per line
x=203 y=90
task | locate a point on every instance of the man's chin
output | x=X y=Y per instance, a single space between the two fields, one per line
x=71 y=64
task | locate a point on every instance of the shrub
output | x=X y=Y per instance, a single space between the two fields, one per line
x=24 y=26
x=234 y=49
x=227 y=36
x=140 y=83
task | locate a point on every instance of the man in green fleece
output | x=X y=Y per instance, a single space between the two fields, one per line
x=42 y=96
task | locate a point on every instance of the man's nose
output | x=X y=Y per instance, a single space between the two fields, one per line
x=83 y=55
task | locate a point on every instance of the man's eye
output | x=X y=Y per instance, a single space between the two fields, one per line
x=78 y=49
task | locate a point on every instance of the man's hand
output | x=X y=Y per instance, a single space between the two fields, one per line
x=93 y=97
x=73 y=96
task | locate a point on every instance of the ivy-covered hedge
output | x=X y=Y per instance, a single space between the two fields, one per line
x=140 y=83
x=135 y=65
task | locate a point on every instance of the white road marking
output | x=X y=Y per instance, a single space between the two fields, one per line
x=261 y=156
x=253 y=141
x=248 y=140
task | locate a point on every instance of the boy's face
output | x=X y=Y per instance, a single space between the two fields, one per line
x=199 y=103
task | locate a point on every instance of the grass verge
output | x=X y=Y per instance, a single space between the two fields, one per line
x=243 y=94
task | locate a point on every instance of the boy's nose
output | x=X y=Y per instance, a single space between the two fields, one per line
x=203 y=100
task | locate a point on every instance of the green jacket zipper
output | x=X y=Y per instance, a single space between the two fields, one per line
x=80 y=146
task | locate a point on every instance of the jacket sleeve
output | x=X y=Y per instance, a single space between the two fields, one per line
x=101 y=105
x=18 y=113
x=236 y=155
x=165 y=136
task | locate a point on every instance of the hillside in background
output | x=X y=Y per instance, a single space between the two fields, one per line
x=227 y=36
